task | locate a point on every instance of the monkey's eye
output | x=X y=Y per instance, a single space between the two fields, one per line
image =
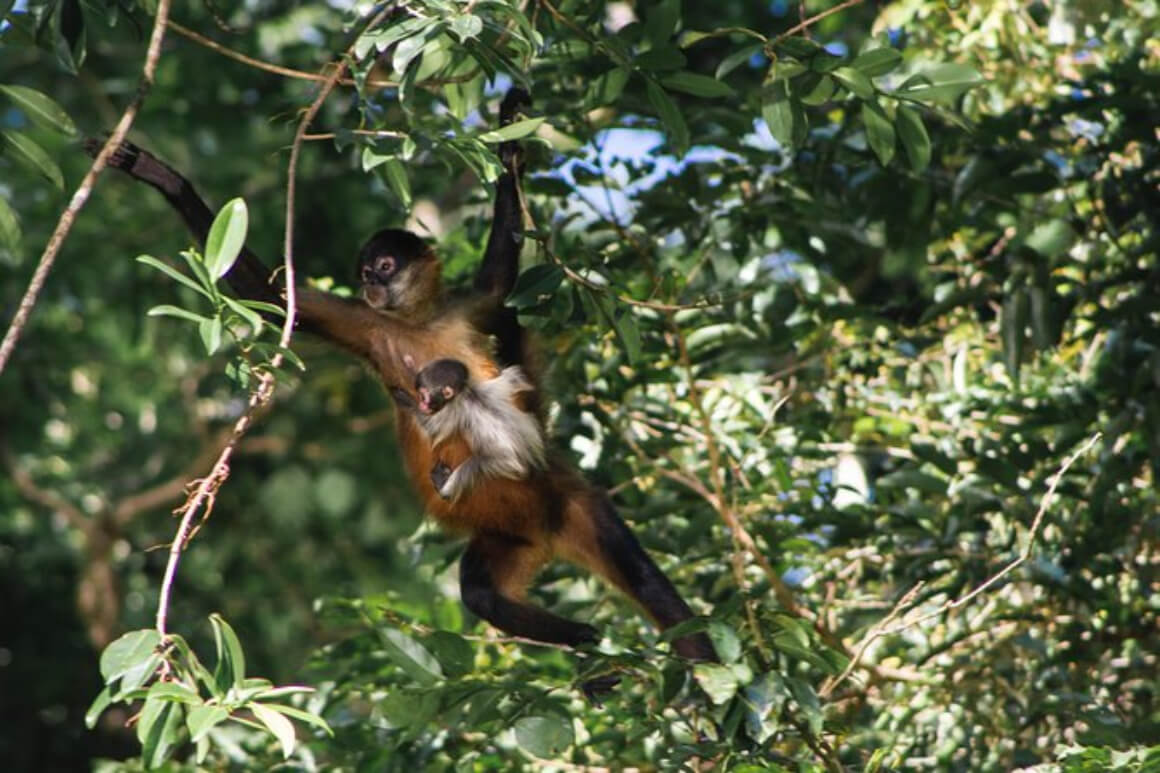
x=384 y=264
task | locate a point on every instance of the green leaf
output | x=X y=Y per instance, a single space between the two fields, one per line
x=201 y=719
x=660 y=21
x=98 y=706
x=278 y=725
x=165 y=310
x=30 y=155
x=943 y=83
x=629 y=334
x=915 y=140
x=697 y=85
x=513 y=131
x=411 y=656
x=736 y=59
x=877 y=62
x=535 y=286
x=9 y=227
x=546 y=737
x=661 y=59
x=606 y=89
x=725 y=641
x=855 y=81
x=778 y=113
x=173 y=273
x=157 y=730
x=226 y=237
x=799 y=47
x=302 y=716
x=879 y=131
x=129 y=653
x=231 y=665
x=210 y=331
x=719 y=682
x=268 y=308
x=671 y=117
x=1013 y=318
x=821 y=92
x=466 y=26
x=396 y=174
x=251 y=317
x=40 y=109
x=173 y=691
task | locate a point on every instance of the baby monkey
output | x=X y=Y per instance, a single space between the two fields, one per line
x=505 y=437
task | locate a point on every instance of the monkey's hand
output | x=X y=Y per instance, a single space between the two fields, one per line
x=403 y=398
x=511 y=153
x=138 y=163
x=440 y=474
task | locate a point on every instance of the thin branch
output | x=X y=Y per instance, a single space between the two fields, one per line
x=65 y=223
x=208 y=486
x=807 y=23
x=874 y=634
x=258 y=64
x=1018 y=561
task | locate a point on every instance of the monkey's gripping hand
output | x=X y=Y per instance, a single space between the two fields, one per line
x=510 y=152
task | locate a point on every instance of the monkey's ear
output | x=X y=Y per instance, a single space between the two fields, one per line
x=448 y=392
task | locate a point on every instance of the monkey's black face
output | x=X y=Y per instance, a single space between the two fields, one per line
x=385 y=267
x=377 y=277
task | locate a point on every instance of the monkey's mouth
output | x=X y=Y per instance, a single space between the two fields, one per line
x=377 y=296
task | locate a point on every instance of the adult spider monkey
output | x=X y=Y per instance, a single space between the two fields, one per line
x=403 y=318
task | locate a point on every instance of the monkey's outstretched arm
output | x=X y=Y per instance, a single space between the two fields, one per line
x=501 y=259
x=348 y=323
x=249 y=277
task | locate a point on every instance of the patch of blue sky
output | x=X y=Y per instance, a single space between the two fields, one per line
x=611 y=154
x=20 y=6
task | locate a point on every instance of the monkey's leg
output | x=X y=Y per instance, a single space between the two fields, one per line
x=594 y=536
x=493 y=573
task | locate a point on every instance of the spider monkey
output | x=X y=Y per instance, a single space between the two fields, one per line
x=506 y=439
x=515 y=526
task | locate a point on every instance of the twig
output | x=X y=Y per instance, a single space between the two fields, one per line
x=65 y=223
x=1018 y=561
x=258 y=64
x=871 y=637
x=812 y=21
x=207 y=486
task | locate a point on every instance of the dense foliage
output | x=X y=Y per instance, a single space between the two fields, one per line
x=828 y=307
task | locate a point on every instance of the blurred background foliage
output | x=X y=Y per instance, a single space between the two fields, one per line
x=826 y=311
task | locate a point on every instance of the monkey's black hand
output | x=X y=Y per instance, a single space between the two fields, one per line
x=403 y=398
x=510 y=153
x=439 y=475
x=123 y=156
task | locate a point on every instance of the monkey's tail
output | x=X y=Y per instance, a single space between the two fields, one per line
x=614 y=552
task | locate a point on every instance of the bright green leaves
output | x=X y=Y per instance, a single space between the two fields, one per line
x=241 y=319
x=806 y=75
x=185 y=702
x=226 y=237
